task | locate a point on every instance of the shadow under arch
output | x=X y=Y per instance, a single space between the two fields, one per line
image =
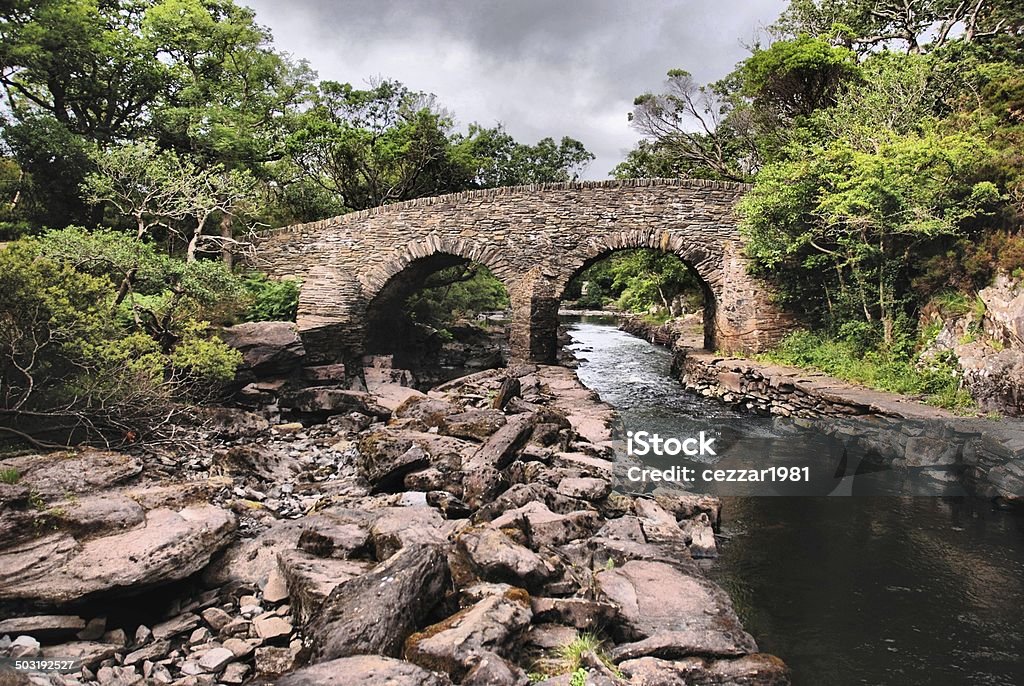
x=388 y=329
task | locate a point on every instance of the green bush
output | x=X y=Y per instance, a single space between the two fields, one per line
x=69 y=348
x=937 y=381
x=271 y=300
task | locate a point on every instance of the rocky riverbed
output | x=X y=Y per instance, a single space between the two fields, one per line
x=469 y=535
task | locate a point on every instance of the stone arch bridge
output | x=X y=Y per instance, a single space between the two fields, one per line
x=535 y=239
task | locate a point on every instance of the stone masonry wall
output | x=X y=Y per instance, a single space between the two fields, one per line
x=534 y=239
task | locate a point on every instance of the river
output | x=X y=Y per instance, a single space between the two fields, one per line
x=884 y=591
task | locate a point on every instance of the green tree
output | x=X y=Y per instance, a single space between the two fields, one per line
x=375 y=146
x=499 y=160
x=914 y=26
x=160 y=189
x=844 y=222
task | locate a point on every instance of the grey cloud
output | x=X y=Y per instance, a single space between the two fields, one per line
x=543 y=68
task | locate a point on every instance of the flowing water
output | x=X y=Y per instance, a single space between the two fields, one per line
x=893 y=591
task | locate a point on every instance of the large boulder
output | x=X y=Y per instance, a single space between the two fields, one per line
x=376 y=612
x=59 y=475
x=324 y=401
x=364 y=670
x=268 y=348
x=668 y=613
x=169 y=546
x=458 y=643
x=311 y=579
x=496 y=557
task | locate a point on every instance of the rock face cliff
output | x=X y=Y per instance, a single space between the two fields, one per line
x=990 y=347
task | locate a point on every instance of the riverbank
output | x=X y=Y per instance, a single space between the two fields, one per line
x=985 y=455
x=900 y=590
x=467 y=535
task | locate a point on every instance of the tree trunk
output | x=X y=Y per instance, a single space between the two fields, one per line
x=226 y=232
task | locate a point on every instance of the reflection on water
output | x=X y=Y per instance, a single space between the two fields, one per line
x=887 y=591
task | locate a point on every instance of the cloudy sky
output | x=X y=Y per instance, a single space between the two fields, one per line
x=541 y=67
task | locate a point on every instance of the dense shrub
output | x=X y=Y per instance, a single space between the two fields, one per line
x=78 y=340
x=860 y=359
x=271 y=300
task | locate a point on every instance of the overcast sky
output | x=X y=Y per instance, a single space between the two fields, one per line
x=540 y=67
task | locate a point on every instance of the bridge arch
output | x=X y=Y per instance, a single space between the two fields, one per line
x=695 y=258
x=534 y=239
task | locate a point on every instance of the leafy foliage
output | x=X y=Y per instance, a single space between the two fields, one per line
x=638 y=280
x=456 y=293
x=271 y=300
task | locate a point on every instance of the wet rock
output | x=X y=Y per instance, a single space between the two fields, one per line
x=498 y=558
x=475 y=425
x=752 y=670
x=267 y=348
x=171 y=546
x=43 y=627
x=458 y=643
x=671 y=614
x=364 y=670
x=374 y=613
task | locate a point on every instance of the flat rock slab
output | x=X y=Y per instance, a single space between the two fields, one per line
x=170 y=546
x=364 y=670
x=374 y=613
x=669 y=613
x=56 y=475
